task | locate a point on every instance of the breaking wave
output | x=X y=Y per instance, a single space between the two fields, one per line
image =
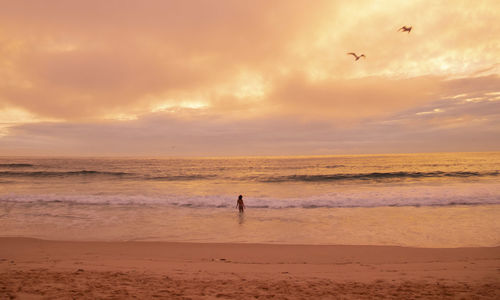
x=376 y=176
x=398 y=197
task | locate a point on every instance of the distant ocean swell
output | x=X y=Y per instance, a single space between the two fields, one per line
x=378 y=175
x=57 y=174
x=264 y=178
x=16 y=165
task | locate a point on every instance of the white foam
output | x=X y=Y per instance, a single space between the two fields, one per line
x=375 y=197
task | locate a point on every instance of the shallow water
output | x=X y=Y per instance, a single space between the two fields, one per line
x=431 y=200
x=441 y=226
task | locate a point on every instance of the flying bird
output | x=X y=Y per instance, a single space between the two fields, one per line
x=404 y=28
x=356 y=56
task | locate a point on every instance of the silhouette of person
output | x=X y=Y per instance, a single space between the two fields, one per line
x=239 y=204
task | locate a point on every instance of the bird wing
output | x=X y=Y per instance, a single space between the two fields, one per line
x=352 y=53
x=362 y=55
x=403 y=28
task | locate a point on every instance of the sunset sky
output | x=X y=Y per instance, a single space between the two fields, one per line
x=248 y=77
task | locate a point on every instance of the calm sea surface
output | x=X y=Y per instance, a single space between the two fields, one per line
x=432 y=200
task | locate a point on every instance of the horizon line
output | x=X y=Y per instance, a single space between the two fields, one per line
x=237 y=156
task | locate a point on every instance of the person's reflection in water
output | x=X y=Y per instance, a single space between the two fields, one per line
x=241 y=218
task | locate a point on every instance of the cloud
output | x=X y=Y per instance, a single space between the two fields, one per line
x=353 y=98
x=85 y=59
x=452 y=124
x=267 y=70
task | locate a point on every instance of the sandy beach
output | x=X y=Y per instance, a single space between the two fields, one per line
x=39 y=269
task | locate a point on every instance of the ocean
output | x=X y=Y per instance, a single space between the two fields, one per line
x=421 y=200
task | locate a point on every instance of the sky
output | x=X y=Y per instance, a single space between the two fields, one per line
x=217 y=78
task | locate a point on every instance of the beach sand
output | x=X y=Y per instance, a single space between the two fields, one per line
x=39 y=269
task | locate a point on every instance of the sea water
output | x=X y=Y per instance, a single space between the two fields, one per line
x=423 y=200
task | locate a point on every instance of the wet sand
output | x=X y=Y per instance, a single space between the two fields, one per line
x=38 y=269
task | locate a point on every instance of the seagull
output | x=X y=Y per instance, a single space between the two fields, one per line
x=357 y=57
x=404 y=28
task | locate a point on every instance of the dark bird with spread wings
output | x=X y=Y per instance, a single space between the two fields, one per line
x=356 y=56
x=405 y=28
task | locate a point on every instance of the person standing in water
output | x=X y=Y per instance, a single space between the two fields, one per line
x=239 y=204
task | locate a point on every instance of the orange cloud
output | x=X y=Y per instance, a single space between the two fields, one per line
x=92 y=61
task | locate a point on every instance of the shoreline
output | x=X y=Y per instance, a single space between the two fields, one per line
x=236 y=244
x=32 y=267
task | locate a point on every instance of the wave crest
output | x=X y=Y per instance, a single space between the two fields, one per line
x=19 y=165
x=376 y=175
